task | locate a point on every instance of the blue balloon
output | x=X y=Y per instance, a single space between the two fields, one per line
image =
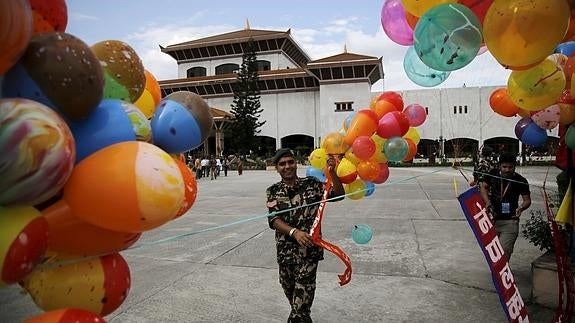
x=19 y=84
x=529 y=133
x=317 y=173
x=420 y=73
x=566 y=48
x=107 y=125
x=369 y=188
x=361 y=233
x=348 y=120
x=174 y=128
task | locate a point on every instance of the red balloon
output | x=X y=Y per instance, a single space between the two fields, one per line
x=393 y=97
x=67 y=315
x=383 y=174
x=393 y=124
x=363 y=147
x=479 y=7
x=49 y=15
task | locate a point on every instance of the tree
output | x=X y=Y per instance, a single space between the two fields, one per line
x=246 y=107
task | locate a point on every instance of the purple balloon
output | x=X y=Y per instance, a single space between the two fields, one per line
x=416 y=115
x=394 y=23
x=530 y=133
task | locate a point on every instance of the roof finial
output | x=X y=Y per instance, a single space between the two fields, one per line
x=345 y=48
x=247 y=24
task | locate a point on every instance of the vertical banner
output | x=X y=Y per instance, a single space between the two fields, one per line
x=480 y=222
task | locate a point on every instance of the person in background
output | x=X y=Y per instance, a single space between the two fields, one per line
x=500 y=192
x=240 y=165
x=297 y=255
x=225 y=165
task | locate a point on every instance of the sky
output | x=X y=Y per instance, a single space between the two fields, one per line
x=321 y=28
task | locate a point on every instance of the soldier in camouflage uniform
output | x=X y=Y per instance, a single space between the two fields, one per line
x=297 y=255
x=486 y=162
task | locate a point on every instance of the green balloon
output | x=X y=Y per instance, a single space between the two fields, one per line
x=570 y=137
x=115 y=90
x=447 y=37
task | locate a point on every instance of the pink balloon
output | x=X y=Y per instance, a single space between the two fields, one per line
x=547 y=118
x=363 y=147
x=394 y=23
x=393 y=124
x=416 y=115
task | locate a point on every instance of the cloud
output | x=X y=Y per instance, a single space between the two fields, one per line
x=83 y=17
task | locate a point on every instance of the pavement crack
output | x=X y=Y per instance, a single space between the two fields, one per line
x=211 y=262
x=419 y=248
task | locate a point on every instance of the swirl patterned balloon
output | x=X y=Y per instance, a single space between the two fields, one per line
x=38 y=152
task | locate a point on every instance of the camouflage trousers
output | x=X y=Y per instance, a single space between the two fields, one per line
x=298 y=283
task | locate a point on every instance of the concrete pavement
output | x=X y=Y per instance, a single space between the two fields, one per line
x=422 y=265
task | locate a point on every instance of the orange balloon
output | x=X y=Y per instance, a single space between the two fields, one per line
x=523 y=113
x=501 y=103
x=72 y=237
x=363 y=124
x=411 y=19
x=190 y=187
x=570 y=34
x=66 y=315
x=16 y=29
x=368 y=170
x=153 y=87
x=412 y=150
x=382 y=107
x=566 y=113
x=128 y=187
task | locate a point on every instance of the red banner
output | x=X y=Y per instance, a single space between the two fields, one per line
x=503 y=280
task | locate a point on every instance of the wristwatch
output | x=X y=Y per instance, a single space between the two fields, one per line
x=291 y=232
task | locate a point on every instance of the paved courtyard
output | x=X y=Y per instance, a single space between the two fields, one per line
x=422 y=265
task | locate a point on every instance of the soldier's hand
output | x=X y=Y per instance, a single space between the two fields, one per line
x=303 y=238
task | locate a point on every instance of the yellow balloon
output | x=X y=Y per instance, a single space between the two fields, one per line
x=334 y=144
x=146 y=104
x=419 y=7
x=520 y=33
x=538 y=87
x=355 y=190
x=349 y=155
x=318 y=158
x=413 y=134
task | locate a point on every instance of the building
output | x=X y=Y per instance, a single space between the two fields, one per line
x=303 y=100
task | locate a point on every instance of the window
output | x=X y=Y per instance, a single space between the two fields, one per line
x=263 y=65
x=454 y=110
x=343 y=106
x=465 y=109
x=227 y=68
x=196 y=71
x=459 y=109
x=426 y=110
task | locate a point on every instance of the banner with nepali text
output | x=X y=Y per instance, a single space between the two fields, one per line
x=503 y=280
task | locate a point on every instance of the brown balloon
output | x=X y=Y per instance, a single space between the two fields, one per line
x=67 y=72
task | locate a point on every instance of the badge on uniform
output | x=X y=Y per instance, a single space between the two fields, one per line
x=505 y=208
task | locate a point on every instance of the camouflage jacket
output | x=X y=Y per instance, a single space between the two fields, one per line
x=308 y=190
x=483 y=167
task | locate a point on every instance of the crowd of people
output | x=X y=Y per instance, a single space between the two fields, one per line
x=213 y=167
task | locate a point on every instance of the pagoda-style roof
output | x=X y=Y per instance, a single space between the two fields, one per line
x=219 y=114
x=347 y=66
x=234 y=43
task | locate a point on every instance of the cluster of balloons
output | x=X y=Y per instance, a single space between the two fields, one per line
x=91 y=159
x=446 y=35
x=386 y=131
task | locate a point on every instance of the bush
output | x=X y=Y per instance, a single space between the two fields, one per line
x=538 y=231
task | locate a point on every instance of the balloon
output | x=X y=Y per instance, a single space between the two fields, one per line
x=411 y=19
x=190 y=187
x=419 y=7
x=413 y=135
x=346 y=171
x=394 y=23
x=60 y=71
x=500 y=103
x=570 y=137
x=355 y=190
x=98 y=285
x=513 y=31
x=479 y=8
x=140 y=123
x=447 y=37
x=66 y=315
x=361 y=233
x=368 y=170
x=16 y=26
x=369 y=188
x=348 y=120
x=318 y=158
x=529 y=133
x=123 y=70
x=419 y=73
x=566 y=48
x=415 y=114
x=382 y=107
x=334 y=144
x=566 y=113
x=383 y=174
x=107 y=125
x=49 y=15
x=536 y=88
x=23 y=242
x=349 y=155
x=363 y=124
x=363 y=147
x=317 y=173
x=37 y=152
x=72 y=237
x=182 y=122
x=143 y=188
x=547 y=118
x=394 y=98
x=151 y=96
x=393 y=124
x=412 y=150
x=396 y=149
